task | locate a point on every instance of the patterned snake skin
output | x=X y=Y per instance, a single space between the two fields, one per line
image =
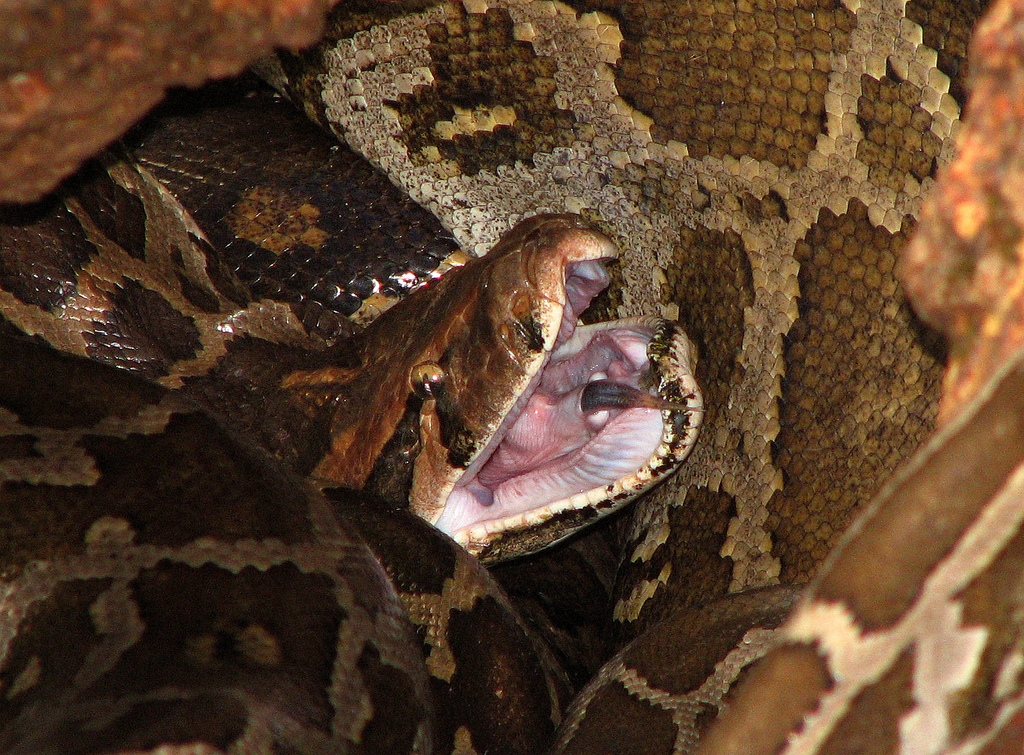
x=762 y=167
x=743 y=156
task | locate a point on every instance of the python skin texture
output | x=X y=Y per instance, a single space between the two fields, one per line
x=217 y=454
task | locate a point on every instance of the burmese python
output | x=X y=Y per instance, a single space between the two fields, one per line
x=789 y=149
x=404 y=410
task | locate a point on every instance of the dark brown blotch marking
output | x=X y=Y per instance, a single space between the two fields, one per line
x=18 y=447
x=143 y=333
x=43 y=247
x=362 y=15
x=34 y=382
x=564 y=596
x=1008 y=737
x=244 y=391
x=477 y=63
x=871 y=723
x=898 y=140
x=698 y=575
x=498 y=678
x=636 y=726
x=397 y=712
x=199 y=624
x=947 y=29
x=498 y=689
x=187 y=482
x=760 y=210
x=260 y=181
x=729 y=79
x=531 y=333
x=393 y=535
x=993 y=600
x=460 y=440
x=711 y=280
x=322 y=321
x=59 y=632
x=221 y=275
x=860 y=389
x=789 y=682
x=196 y=294
x=118 y=214
x=679 y=654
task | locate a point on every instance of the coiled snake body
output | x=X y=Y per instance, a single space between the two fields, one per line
x=185 y=566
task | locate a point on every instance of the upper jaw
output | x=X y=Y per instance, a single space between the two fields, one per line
x=525 y=382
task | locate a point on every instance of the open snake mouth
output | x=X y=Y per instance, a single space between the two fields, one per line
x=612 y=409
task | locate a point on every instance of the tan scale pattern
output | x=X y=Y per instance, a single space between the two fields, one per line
x=877 y=709
x=677 y=563
x=810 y=179
x=476 y=134
x=992 y=594
x=946 y=28
x=807 y=208
x=911 y=616
x=711 y=281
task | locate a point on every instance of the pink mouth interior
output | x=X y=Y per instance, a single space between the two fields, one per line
x=548 y=449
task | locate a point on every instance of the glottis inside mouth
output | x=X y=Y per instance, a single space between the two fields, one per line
x=577 y=428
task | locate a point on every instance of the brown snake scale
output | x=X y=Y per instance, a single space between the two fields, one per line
x=835 y=569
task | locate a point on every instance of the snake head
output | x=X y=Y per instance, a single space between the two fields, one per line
x=479 y=388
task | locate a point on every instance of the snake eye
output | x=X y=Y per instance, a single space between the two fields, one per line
x=427 y=379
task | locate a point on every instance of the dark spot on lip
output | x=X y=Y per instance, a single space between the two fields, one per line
x=455 y=436
x=459 y=457
x=391 y=476
x=531 y=332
